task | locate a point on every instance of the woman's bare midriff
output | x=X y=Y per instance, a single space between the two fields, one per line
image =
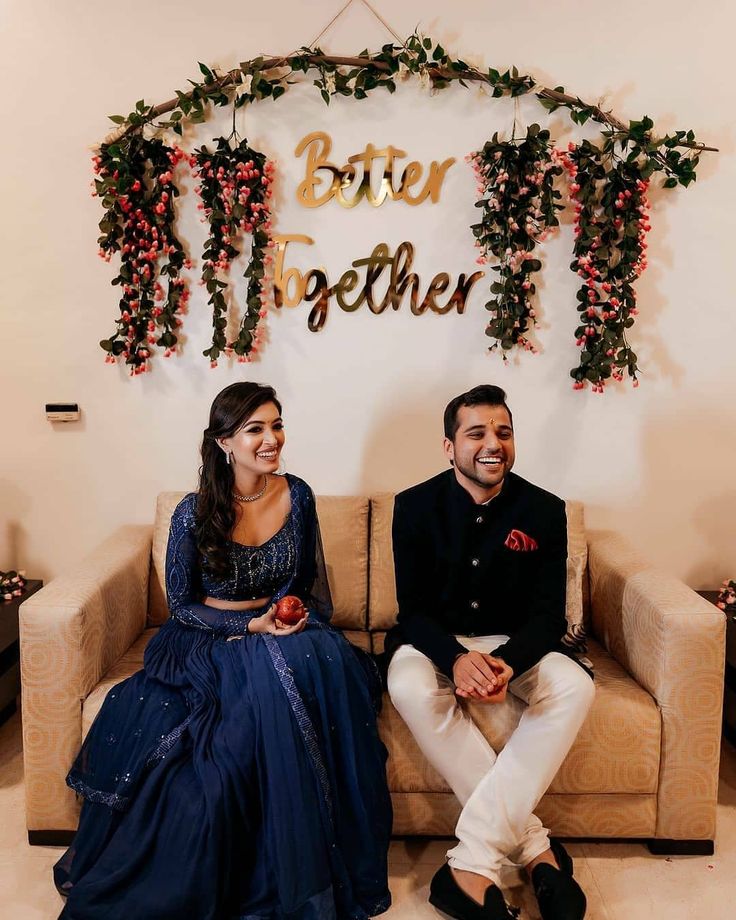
x=235 y=605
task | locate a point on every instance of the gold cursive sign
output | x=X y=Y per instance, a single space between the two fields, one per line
x=318 y=145
x=291 y=286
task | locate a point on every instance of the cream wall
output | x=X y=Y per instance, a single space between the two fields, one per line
x=364 y=398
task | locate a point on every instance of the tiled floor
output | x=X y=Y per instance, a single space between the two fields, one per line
x=622 y=881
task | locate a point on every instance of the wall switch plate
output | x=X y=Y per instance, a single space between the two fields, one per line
x=62 y=412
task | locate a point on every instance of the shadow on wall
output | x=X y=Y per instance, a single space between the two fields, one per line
x=715 y=519
x=687 y=502
x=403 y=447
x=13 y=536
x=681 y=512
x=648 y=339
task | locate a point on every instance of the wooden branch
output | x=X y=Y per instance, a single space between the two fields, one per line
x=233 y=76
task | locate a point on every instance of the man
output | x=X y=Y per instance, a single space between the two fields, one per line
x=480 y=559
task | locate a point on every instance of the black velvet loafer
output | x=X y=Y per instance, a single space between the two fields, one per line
x=562 y=857
x=558 y=894
x=446 y=895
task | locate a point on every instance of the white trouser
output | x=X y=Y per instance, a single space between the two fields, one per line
x=498 y=792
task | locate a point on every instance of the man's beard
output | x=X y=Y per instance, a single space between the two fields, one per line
x=470 y=472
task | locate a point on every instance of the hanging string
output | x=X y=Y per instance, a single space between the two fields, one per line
x=383 y=22
x=370 y=9
x=330 y=23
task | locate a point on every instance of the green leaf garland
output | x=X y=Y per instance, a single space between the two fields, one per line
x=519 y=208
x=627 y=157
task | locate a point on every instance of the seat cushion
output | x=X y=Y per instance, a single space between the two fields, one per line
x=158 y=611
x=344 y=527
x=343 y=522
x=382 y=593
x=132 y=661
x=616 y=751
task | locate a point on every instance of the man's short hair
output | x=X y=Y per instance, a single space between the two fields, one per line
x=484 y=395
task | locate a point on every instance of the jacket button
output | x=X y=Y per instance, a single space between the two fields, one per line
x=475 y=561
x=479 y=519
x=475 y=605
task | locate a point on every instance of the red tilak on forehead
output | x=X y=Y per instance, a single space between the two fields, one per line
x=501 y=424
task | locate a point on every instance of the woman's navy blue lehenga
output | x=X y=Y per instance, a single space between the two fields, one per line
x=235 y=780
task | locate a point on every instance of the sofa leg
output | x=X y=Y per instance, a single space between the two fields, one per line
x=50 y=838
x=661 y=847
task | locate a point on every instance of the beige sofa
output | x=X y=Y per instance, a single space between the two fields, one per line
x=645 y=764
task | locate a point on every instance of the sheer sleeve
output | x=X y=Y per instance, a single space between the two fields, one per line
x=183 y=585
x=311 y=583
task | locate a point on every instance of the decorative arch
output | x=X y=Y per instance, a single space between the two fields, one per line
x=518 y=196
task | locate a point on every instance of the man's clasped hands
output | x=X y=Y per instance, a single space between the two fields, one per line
x=481 y=677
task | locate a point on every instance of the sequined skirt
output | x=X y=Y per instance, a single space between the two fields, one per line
x=237 y=780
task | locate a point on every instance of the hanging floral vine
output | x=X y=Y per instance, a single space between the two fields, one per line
x=519 y=208
x=135 y=182
x=611 y=223
x=629 y=155
x=235 y=188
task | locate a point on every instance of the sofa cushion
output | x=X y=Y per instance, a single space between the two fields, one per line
x=343 y=522
x=131 y=662
x=616 y=751
x=382 y=592
x=577 y=575
x=158 y=610
x=344 y=527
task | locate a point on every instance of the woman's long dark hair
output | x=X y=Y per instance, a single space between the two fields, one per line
x=215 y=517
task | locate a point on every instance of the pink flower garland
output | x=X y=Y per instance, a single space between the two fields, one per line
x=136 y=185
x=235 y=188
x=519 y=204
x=611 y=223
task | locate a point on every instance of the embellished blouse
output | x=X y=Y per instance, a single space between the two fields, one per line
x=290 y=562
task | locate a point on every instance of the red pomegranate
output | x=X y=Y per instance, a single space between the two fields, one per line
x=290 y=610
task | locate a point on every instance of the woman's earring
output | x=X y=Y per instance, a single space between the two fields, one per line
x=227 y=457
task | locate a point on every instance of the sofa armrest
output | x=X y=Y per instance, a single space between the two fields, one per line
x=71 y=633
x=672 y=642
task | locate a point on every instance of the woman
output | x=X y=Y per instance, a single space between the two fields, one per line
x=240 y=773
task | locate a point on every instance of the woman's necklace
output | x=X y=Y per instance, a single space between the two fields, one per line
x=256 y=495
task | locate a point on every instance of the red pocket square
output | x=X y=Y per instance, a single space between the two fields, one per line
x=518 y=540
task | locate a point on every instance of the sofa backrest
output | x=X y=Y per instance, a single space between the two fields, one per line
x=382 y=603
x=344 y=527
x=356 y=533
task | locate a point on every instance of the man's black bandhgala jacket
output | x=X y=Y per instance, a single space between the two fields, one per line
x=456 y=573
